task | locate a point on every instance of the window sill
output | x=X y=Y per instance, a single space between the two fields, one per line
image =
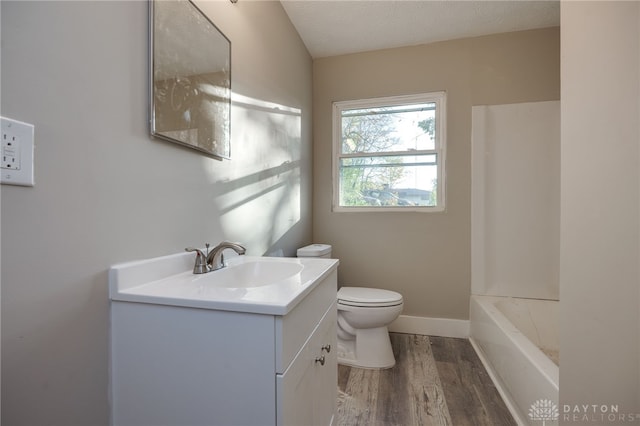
x=363 y=209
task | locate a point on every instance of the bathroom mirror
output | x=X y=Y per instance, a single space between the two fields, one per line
x=190 y=78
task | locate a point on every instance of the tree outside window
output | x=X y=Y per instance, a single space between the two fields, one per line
x=389 y=153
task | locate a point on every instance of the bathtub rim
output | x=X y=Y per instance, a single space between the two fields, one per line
x=548 y=370
x=532 y=352
x=508 y=401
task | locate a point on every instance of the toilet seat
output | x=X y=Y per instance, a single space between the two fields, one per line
x=368 y=297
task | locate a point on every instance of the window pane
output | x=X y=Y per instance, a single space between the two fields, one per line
x=391 y=128
x=405 y=180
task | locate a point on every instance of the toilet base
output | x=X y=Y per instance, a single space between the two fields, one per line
x=370 y=348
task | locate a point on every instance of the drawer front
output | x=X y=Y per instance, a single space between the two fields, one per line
x=293 y=330
x=306 y=392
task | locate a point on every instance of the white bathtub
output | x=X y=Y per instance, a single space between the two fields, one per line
x=508 y=334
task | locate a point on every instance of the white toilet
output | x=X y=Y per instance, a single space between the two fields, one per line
x=363 y=317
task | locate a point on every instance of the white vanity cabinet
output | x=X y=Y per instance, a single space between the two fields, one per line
x=181 y=365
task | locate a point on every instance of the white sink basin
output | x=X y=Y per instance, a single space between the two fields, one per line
x=250 y=274
x=266 y=285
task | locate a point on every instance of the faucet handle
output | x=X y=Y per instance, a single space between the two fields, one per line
x=198 y=251
x=200 y=267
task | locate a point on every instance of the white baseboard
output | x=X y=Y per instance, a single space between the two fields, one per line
x=443 y=327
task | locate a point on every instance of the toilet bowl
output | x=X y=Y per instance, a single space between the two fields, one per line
x=363 y=316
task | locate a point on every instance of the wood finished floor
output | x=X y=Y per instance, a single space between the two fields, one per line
x=436 y=381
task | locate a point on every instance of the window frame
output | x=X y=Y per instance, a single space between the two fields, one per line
x=440 y=145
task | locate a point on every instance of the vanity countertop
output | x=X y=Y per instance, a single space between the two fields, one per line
x=169 y=280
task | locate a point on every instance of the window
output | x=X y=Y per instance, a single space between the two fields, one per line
x=389 y=153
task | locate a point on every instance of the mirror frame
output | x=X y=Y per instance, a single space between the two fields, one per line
x=199 y=133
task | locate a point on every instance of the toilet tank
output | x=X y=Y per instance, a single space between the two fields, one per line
x=315 y=250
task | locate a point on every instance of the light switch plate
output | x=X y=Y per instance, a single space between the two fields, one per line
x=16 y=157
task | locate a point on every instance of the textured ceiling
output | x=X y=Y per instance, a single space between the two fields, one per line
x=336 y=27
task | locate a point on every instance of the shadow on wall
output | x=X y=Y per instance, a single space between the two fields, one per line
x=262 y=200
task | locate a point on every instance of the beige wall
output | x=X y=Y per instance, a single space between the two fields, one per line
x=106 y=192
x=424 y=256
x=600 y=210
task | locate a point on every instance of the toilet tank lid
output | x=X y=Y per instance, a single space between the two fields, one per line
x=314 y=250
x=365 y=295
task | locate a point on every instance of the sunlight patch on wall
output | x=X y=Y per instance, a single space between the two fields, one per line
x=260 y=201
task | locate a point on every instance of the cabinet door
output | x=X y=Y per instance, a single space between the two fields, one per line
x=295 y=393
x=306 y=392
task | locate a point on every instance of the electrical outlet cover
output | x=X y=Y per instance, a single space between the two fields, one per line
x=10 y=151
x=17 y=153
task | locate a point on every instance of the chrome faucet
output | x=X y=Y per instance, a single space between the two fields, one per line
x=214 y=259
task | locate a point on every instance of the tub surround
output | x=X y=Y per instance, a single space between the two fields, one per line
x=515 y=200
x=515 y=248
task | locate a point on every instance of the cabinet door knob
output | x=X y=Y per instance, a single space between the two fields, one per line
x=326 y=348
x=320 y=359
